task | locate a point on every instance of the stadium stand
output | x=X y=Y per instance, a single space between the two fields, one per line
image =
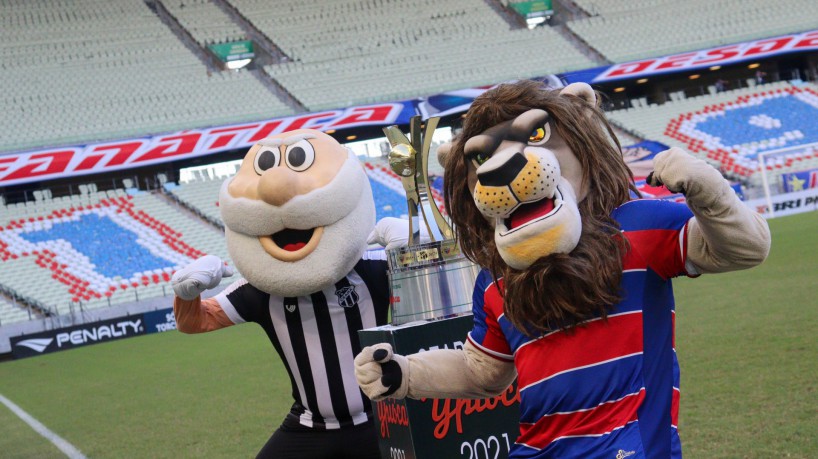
x=96 y=70
x=767 y=118
x=205 y=21
x=625 y=31
x=201 y=194
x=10 y=313
x=396 y=50
x=97 y=249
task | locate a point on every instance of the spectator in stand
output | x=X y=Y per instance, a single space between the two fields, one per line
x=721 y=85
x=760 y=74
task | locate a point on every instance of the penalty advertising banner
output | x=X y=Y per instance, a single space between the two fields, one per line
x=61 y=339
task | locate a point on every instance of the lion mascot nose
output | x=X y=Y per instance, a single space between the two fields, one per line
x=503 y=173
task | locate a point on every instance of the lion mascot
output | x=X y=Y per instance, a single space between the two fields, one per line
x=575 y=299
x=298 y=215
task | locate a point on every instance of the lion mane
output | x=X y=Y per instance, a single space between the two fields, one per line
x=560 y=290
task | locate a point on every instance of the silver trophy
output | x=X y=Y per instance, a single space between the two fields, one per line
x=432 y=280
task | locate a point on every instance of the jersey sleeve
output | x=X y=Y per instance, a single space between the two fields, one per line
x=657 y=233
x=242 y=302
x=487 y=306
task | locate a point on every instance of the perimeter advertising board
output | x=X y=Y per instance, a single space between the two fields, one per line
x=61 y=339
x=450 y=428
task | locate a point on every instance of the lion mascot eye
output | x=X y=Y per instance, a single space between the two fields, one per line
x=540 y=135
x=479 y=158
x=265 y=159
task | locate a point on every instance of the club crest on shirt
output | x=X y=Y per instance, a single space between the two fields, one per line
x=290 y=304
x=347 y=296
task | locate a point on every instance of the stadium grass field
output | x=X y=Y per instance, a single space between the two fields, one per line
x=746 y=343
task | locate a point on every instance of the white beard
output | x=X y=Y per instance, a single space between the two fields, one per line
x=339 y=249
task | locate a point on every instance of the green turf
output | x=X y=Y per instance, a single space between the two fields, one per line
x=748 y=351
x=163 y=395
x=746 y=343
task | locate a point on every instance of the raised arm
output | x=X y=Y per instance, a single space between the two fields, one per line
x=725 y=234
x=194 y=315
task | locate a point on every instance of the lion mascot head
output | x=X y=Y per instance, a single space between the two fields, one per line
x=297 y=213
x=531 y=182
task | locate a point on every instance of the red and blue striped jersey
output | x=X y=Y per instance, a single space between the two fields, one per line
x=609 y=388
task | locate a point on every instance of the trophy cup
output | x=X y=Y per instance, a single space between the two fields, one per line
x=431 y=287
x=431 y=280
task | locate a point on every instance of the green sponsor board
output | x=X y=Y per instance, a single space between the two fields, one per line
x=445 y=428
x=533 y=9
x=233 y=51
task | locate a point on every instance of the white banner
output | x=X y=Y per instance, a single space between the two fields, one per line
x=787 y=203
x=723 y=55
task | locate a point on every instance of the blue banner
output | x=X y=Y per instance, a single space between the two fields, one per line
x=158 y=321
x=799 y=181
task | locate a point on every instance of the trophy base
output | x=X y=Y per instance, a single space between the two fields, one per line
x=430 y=281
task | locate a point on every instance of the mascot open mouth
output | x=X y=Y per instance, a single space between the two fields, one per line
x=533 y=211
x=291 y=244
x=292 y=240
x=530 y=212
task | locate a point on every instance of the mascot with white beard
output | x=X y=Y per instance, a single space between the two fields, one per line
x=298 y=215
x=575 y=300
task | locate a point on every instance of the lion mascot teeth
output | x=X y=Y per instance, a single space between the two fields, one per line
x=575 y=298
x=298 y=215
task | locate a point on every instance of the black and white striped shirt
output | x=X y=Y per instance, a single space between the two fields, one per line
x=316 y=336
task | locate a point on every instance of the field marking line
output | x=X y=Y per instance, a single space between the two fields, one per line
x=38 y=427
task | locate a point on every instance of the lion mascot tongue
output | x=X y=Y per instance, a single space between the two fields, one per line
x=575 y=299
x=298 y=215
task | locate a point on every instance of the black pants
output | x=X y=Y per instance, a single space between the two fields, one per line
x=294 y=441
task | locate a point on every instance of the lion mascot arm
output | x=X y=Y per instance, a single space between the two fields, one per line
x=442 y=373
x=194 y=315
x=724 y=235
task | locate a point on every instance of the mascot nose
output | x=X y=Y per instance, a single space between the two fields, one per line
x=503 y=173
x=278 y=185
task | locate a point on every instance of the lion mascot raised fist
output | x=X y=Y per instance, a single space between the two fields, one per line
x=575 y=299
x=298 y=215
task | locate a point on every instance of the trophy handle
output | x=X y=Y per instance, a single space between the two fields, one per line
x=442 y=224
x=410 y=160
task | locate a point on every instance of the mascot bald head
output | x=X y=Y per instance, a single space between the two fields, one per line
x=530 y=185
x=297 y=213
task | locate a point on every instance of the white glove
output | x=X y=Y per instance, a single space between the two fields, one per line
x=391 y=232
x=202 y=274
x=382 y=373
